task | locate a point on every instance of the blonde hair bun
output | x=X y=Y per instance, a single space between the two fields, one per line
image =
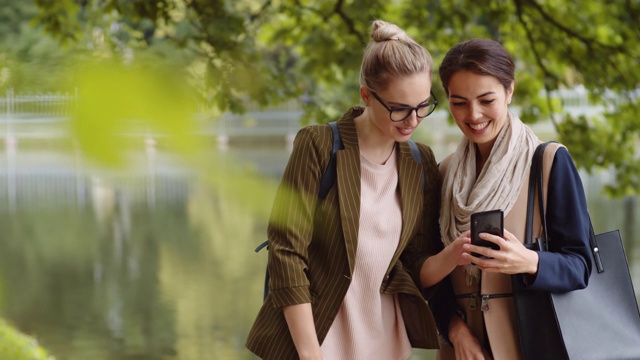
x=384 y=31
x=385 y=59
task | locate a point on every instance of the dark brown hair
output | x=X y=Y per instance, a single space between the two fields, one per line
x=480 y=56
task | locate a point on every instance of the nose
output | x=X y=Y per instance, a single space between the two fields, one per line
x=413 y=120
x=474 y=112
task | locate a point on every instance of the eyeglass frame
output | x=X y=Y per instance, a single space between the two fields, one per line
x=412 y=108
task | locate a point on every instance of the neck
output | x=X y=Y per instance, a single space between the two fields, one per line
x=373 y=145
x=482 y=154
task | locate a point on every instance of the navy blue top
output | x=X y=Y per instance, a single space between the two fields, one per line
x=567 y=264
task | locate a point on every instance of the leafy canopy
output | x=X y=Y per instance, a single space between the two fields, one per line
x=269 y=51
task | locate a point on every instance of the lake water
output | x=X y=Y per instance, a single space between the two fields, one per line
x=158 y=263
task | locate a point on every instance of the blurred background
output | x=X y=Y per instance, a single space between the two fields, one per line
x=144 y=140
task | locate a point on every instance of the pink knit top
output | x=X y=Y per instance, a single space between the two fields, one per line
x=369 y=324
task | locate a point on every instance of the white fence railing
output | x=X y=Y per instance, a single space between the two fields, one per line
x=46 y=115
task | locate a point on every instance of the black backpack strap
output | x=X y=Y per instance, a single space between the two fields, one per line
x=329 y=176
x=415 y=152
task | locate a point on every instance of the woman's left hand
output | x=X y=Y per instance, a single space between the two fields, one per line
x=512 y=258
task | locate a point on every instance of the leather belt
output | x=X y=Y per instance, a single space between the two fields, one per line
x=484 y=299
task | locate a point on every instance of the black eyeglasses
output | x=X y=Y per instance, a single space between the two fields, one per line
x=400 y=113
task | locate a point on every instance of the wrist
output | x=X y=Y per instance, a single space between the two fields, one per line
x=533 y=268
x=311 y=354
x=457 y=327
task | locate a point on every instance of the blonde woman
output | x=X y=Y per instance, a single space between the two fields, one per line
x=345 y=270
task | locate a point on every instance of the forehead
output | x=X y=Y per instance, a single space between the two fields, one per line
x=469 y=84
x=408 y=89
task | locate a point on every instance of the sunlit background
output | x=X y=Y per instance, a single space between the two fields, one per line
x=144 y=140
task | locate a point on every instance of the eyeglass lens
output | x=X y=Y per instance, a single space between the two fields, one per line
x=421 y=112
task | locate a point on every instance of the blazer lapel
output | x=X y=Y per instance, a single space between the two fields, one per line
x=348 y=182
x=411 y=195
x=349 y=190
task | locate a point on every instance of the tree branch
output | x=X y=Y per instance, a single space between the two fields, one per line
x=589 y=43
x=348 y=22
x=253 y=17
x=538 y=57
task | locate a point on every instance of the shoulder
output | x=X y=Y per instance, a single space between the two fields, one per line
x=427 y=153
x=318 y=137
x=562 y=165
x=558 y=155
x=314 y=131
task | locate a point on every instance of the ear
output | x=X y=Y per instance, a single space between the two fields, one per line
x=365 y=95
x=510 y=91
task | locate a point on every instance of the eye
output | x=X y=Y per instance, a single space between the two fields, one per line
x=458 y=103
x=488 y=101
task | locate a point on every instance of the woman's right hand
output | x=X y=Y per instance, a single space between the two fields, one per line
x=456 y=249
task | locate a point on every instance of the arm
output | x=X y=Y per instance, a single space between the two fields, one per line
x=567 y=265
x=290 y=228
x=435 y=268
x=290 y=232
x=303 y=332
x=426 y=241
x=441 y=298
x=452 y=326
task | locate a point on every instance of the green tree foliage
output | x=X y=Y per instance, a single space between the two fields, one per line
x=273 y=50
x=23 y=48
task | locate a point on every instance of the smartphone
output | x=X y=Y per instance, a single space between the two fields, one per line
x=491 y=222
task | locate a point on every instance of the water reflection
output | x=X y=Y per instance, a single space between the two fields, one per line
x=117 y=279
x=111 y=277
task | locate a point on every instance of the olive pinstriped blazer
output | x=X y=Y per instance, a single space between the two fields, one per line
x=312 y=244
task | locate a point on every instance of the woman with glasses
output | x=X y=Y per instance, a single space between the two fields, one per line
x=490 y=170
x=345 y=269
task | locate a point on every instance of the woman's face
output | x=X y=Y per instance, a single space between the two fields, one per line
x=479 y=105
x=412 y=90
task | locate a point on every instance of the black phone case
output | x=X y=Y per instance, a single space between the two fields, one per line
x=491 y=222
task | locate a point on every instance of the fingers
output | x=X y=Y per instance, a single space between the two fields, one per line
x=509 y=236
x=473 y=253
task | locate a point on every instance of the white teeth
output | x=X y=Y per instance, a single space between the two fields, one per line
x=480 y=126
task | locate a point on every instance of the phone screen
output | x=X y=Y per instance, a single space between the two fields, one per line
x=486 y=222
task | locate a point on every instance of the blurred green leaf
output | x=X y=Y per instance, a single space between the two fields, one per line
x=16 y=346
x=118 y=102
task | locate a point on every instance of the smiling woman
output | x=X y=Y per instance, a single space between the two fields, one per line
x=490 y=171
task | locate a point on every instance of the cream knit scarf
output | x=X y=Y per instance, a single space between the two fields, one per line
x=497 y=186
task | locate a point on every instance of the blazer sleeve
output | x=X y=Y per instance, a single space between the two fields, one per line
x=426 y=241
x=443 y=303
x=567 y=264
x=290 y=226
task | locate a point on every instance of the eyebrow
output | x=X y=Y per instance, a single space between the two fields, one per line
x=406 y=105
x=477 y=97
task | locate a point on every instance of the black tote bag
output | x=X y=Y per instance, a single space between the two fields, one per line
x=599 y=322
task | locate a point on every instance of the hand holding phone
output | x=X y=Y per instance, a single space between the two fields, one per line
x=491 y=222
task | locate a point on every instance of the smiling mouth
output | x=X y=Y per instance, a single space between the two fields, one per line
x=405 y=131
x=479 y=127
